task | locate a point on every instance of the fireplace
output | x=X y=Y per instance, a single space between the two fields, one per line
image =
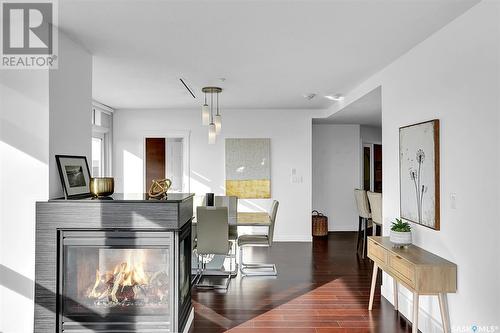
x=116 y=280
x=120 y=265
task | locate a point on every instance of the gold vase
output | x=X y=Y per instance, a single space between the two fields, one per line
x=102 y=186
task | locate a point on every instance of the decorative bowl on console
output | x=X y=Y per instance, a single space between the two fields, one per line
x=102 y=186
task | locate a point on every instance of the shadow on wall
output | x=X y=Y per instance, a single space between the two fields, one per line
x=25 y=287
x=16 y=282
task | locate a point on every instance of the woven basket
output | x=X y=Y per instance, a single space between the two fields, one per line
x=319 y=224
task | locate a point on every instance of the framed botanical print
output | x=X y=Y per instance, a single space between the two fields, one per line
x=419 y=173
x=75 y=175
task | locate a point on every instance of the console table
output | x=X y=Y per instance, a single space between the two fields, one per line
x=421 y=272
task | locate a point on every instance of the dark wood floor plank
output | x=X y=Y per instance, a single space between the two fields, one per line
x=322 y=287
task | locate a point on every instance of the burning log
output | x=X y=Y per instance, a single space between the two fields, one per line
x=128 y=283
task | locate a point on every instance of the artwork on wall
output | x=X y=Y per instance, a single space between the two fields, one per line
x=75 y=175
x=419 y=173
x=248 y=168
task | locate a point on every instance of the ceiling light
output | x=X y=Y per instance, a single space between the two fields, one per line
x=336 y=97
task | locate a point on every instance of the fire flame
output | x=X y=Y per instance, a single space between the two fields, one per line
x=129 y=273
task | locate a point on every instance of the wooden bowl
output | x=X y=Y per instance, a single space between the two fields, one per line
x=102 y=186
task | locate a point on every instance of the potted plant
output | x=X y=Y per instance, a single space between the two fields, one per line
x=400 y=233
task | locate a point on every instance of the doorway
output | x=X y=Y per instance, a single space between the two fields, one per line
x=372 y=167
x=165 y=158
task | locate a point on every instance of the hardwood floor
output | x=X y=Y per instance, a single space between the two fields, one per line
x=321 y=287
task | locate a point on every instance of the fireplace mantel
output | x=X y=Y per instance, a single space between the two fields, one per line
x=128 y=214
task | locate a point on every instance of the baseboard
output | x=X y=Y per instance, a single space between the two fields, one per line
x=293 y=238
x=426 y=322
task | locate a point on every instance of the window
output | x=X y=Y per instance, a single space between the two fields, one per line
x=102 y=134
x=97 y=157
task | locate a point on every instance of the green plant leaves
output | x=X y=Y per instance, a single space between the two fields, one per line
x=400 y=226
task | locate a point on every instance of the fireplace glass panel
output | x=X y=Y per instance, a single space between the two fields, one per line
x=106 y=279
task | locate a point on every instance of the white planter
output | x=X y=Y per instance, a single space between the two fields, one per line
x=400 y=238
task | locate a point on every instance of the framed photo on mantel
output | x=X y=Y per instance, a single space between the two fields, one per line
x=419 y=173
x=75 y=176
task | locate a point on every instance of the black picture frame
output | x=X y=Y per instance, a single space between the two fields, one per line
x=69 y=191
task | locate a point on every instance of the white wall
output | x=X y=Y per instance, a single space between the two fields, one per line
x=336 y=173
x=26 y=159
x=290 y=133
x=371 y=134
x=174 y=163
x=70 y=108
x=24 y=151
x=453 y=76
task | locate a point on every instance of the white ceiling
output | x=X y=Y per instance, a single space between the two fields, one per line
x=271 y=52
x=366 y=110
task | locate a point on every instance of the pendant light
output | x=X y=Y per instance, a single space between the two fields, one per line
x=209 y=118
x=218 y=118
x=205 y=113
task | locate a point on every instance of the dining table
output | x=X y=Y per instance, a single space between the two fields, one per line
x=248 y=219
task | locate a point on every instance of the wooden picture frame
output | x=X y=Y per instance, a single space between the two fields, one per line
x=419 y=178
x=75 y=176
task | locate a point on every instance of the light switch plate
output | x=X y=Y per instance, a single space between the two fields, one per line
x=453 y=200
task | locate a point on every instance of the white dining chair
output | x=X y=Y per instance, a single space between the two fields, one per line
x=231 y=202
x=245 y=241
x=212 y=239
x=364 y=216
x=375 y=200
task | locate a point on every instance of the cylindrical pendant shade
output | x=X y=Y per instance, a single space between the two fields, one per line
x=205 y=115
x=211 y=134
x=218 y=123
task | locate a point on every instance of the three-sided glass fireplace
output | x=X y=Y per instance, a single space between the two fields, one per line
x=119 y=281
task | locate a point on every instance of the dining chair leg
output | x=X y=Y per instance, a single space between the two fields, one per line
x=359 y=233
x=195 y=279
x=364 y=237
x=256 y=269
x=233 y=269
x=198 y=283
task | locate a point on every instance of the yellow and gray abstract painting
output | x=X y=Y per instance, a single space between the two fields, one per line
x=248 y=168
